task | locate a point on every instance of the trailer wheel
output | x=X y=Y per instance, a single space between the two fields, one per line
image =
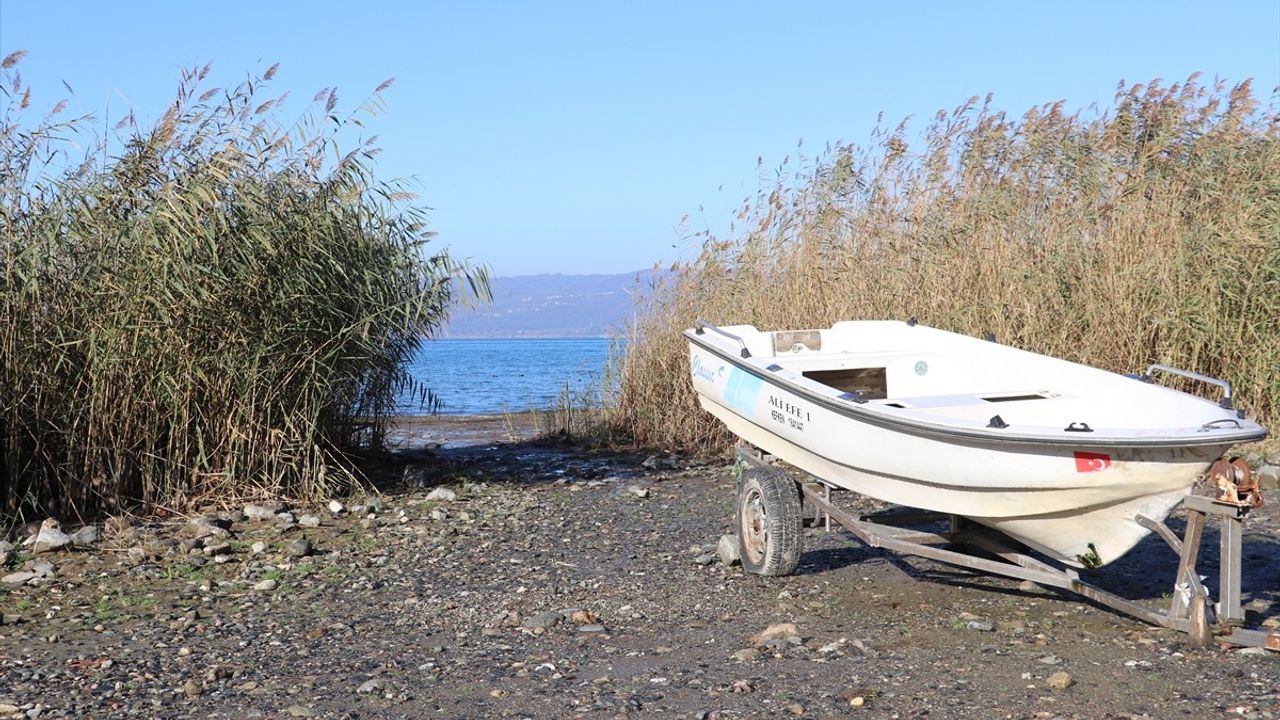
x=768 y=522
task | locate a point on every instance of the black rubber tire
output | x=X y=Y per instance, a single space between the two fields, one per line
x=769 y=515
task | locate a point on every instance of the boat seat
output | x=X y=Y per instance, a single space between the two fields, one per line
x=987 y=398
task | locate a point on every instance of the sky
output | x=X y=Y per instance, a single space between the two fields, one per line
x=574 y=136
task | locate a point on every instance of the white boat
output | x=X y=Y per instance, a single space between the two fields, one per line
x=1060 y=456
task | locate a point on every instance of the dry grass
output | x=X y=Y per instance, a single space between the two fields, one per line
x=1146 y=233
x=214 y=306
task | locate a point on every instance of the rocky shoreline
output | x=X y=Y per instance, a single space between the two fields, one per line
x=543 y=581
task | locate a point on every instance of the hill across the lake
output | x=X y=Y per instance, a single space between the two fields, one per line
x=554 y=305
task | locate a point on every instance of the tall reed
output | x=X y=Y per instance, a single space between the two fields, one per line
x=1149 y=232
x=216 y=305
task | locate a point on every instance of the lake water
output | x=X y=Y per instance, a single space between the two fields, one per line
x=484 y=377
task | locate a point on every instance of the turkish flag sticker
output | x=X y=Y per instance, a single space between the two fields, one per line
x=1091 y=462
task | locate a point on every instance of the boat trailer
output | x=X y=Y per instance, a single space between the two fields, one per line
x=1190 y=611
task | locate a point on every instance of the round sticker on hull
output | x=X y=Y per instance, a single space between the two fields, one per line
x=922 y=367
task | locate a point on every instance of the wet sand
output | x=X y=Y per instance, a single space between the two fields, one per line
x=431 y=432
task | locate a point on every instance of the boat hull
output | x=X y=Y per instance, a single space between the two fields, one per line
x=1076 y=504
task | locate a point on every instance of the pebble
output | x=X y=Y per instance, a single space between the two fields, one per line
x=335 y=507
x=49 y=538
x=222 y=548
x=591 y=629
x=1050 y=660
x=796 y=709
x=653 y=462
x=192 y=688
x=376 y=504
x=203 y=527
x=300 y=711
x=545 y=620
x=1059 y=681
x=14 y=579
x=778 y=645
x=438 y=514
x=85 y=536
x=786 y=632
x=583 y=617
x=369 y=686
x=980 y=625
x=43 y=569
x=263 y=511
x=746 y=655
x=442 y=494
x=266 y=585
x=727 y=549
x=309 y=521
x=299 y=548
x=705 y=559
x=637 y=491
x=258 y=548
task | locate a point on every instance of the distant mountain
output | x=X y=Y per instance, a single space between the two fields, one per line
x=553 y=306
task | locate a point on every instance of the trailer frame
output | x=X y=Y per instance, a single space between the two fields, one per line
x=1191 y=609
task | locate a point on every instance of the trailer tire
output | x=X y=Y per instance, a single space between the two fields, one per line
x=769 y=518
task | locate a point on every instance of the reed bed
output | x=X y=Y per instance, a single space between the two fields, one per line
x=584 y=414
x=1145 y=232
x=215 y=306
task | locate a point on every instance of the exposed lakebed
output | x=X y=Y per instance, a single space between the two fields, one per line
x=549 y=581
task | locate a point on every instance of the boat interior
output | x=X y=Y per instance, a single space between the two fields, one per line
x=929 y=372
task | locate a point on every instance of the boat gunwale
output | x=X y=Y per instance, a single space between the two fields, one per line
x=855 y=411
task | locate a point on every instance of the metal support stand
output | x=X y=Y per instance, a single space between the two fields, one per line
x=1231 y=534
x=826 y=495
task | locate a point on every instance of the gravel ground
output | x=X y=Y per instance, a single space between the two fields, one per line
x=549 y=582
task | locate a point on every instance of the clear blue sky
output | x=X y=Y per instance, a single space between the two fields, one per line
x=572 y=137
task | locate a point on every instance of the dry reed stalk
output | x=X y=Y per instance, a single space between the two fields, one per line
x=1150 y=233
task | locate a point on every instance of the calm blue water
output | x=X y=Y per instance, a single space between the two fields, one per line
x=483 y=377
